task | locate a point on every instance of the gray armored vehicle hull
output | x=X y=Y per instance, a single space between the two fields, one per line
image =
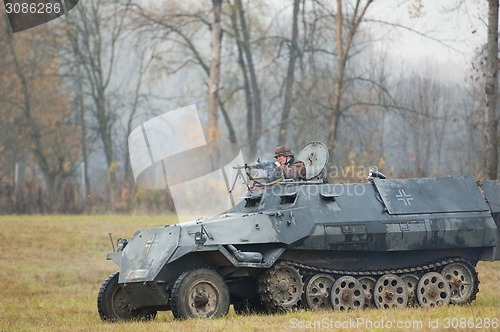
x=390 y=243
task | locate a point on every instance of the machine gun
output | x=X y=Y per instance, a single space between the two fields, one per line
x=262 y=168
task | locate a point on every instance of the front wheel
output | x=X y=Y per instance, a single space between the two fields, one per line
x=200 y=293
x=113 y=305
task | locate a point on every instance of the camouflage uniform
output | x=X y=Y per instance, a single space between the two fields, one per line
x=292 y=169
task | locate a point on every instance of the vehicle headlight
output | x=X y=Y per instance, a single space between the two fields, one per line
x=121 y=244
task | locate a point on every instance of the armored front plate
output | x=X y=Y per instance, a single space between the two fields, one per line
x=147 y=252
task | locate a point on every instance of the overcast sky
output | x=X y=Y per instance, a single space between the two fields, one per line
x=446 y=33
x=460 y=31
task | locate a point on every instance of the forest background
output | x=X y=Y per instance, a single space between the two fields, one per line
x=377 y=81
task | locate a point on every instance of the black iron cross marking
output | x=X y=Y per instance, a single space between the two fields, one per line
x=406 y=198
x=150 y=243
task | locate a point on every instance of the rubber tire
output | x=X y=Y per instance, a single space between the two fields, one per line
x=106 y=307
x=182 y=288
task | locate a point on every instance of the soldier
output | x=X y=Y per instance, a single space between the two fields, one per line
x=286 y=166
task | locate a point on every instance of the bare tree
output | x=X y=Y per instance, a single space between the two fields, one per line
x=36 y=95
x=214 y=77
x=491 y=91
x=344 y=44
x=80 y=101
x=251 y=85
x=290 y=75
x=176 y=28
x=94 y=31
x=244 y=72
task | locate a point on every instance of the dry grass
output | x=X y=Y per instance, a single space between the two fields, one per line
x=51 y=268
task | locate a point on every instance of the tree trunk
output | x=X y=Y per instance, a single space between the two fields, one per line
x=246 y=80
x=337 y=85
x=213 y=84
x=285 y=115
x=107 y=142
x=83 y=126
x=491 y=91
x=135 y=105
x=256 y=101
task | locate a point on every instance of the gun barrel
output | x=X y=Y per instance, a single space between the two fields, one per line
x=261 y=165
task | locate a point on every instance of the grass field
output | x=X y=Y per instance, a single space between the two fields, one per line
x=51 y=268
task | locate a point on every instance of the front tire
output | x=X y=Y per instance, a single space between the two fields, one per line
x=200 y=293
x=113 y=305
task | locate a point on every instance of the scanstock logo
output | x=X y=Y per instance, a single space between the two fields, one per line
x=26 y=14
x=170 y=152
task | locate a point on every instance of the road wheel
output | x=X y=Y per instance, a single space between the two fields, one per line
x=317 y=291
x=411 y=281
x=390 y=292
x=433 y=290
x=113 y=305
x=200 y=293
x=368 y=284
x=347 y=294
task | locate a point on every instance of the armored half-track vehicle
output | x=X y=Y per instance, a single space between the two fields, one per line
x=386 y=243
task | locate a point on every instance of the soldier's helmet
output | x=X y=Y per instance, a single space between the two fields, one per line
x=283 y=150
